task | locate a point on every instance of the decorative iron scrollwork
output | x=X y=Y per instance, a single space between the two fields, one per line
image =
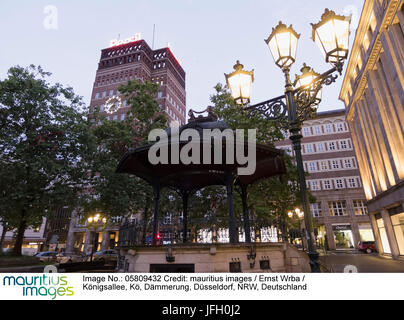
x=274 y=109
x=307 y=98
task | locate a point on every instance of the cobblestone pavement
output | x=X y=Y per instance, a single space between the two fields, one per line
x=363 y=263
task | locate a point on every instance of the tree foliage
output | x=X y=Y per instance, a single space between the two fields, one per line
x=43 y=139
x=270 y=199
x=122 y=194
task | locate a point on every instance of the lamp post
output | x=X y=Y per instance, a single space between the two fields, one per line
x=300 y=215
x=95 y=222
x=301 y=97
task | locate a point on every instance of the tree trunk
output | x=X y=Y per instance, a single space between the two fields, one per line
x=20 y=237
x=3 y=235
x=145 y=215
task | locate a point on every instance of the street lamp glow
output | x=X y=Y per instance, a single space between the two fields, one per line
x=306 y=80
x=239 y=83
x=283 y=45
x=96 y=219
x=332 y=36
x=290 y=214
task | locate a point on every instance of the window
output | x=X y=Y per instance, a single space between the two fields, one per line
x=383 y=234
x=115 y=117
x=159 y=95
x=324 y=165
x=288 y=150
x=97 y=95
x=320 y=147
x=102 y=107
x=347 y=163
x=122 y=116
x=328 y=128
x=312 y=167
x=340 y=127
x=111 y=93
x=104 y=94
x=343 y=144
x=309 y=148
x=315 y=185
x=352 y=183
x=317 y=130
x=335 y=164
x=327 y=184
x=332 y=146
x=306 y=131
x=360 y=208
x=337 y=208
x=315 y=209
x=339 y=183
x=397 y=220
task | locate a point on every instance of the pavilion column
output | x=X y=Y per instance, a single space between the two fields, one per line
x=246 y=216
x=185 y=197
x=156 y=191
x=233 y=232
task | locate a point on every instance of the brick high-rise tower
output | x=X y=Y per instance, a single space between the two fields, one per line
x=134 y=59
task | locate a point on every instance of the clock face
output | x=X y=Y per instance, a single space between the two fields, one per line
x=113 y=104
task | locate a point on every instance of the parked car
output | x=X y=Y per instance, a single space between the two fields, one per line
x=70 y=258
x=46 y=256
x=367 y=246
x=104 y=255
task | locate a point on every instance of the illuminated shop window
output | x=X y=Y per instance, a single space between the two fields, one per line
x=383 y=234
x=398 y=225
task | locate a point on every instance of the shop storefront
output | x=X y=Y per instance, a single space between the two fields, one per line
x=343 y=236
x=383 y=234
x=397 y=220
x=365 y=232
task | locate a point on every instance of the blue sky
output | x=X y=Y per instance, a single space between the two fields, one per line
x=207 y=36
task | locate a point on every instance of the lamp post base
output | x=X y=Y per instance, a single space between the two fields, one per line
x=314 y=265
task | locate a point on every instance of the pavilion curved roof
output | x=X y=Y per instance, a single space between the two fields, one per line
x=269 y=162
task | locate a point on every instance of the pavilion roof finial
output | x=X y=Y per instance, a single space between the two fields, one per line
x=196 y=116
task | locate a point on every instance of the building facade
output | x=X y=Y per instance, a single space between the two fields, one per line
x=34 y=239
x=56 y=230
x=121 y=62
x=340 y=212
x=136 y=60
x=373 y=93
x=83 y=239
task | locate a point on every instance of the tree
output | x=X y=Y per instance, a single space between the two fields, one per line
x=270 y=199
x=122 y=194
x=43 y=138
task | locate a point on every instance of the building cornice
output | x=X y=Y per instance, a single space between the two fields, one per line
x=371 y=59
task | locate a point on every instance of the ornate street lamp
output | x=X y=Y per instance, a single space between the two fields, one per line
x=240 y=82
x=332 y=36
x=302 y=97
x=95 y=222
x=283 y=45
x=298 y=212
x=305 y=83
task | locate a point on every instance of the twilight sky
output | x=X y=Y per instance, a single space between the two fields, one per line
x=207 y=36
